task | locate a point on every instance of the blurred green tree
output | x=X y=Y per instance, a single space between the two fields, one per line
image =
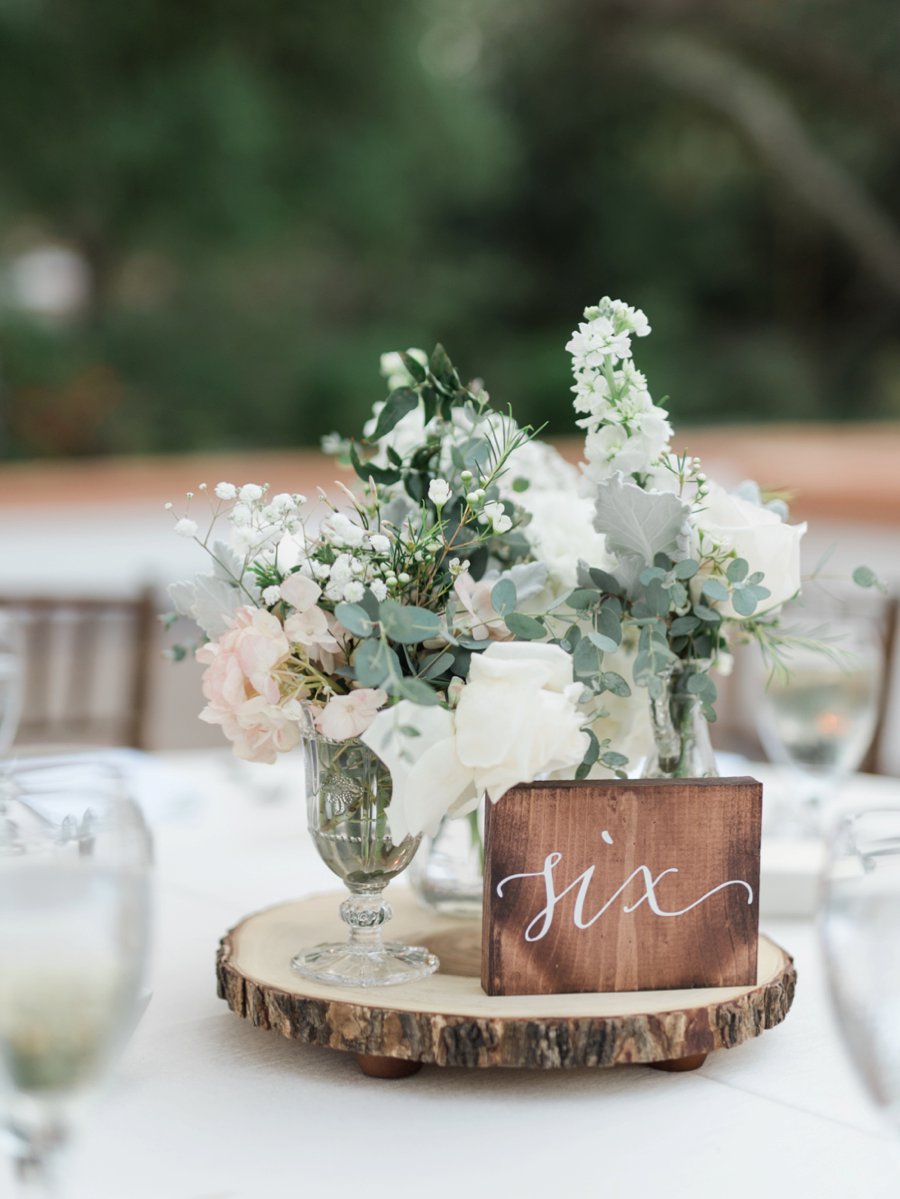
x=265 y=197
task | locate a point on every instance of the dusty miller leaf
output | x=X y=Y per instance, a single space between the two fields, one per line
x=640 y=524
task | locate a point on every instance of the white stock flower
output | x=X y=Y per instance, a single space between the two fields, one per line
x=760 y=537
x=595 y=340
x=439 y=492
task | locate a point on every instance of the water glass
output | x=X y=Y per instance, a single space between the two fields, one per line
x=860 y=933
x=74 y=900
x=817 y=718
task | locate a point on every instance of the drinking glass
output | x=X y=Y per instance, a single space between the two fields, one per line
x=11 y=679
x=74 y=898
x=348 y=790
x=818 y=719
x=860 y=931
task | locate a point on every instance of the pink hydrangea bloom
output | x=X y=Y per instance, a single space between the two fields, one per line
x=346 y=716
x=240 y=685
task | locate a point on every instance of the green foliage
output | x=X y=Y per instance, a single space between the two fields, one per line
x=355 y=619
x=407 y=624
x=864 y=576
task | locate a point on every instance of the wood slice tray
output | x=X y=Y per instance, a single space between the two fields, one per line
x=447 y=1020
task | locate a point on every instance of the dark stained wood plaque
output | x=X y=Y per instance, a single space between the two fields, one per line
x=639 y=885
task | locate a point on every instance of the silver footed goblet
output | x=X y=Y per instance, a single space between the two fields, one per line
x=348 y=790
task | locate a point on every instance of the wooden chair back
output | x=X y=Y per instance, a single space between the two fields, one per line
x=86 y=668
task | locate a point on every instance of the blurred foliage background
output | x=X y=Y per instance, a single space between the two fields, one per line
x=215 y=215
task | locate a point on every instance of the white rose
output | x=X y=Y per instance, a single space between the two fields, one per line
x=760 y=537
x=428 y=781
x=517 y=716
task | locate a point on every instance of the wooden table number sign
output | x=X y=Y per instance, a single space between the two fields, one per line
x=622 y=886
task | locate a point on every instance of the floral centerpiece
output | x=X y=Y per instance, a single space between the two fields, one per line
x=479 y=613
x=478 y=589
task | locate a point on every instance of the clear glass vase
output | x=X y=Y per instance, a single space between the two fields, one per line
x=348 y=790
x=448 y=872
x=682 y=748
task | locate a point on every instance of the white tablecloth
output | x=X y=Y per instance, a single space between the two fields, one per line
x=205 y=1106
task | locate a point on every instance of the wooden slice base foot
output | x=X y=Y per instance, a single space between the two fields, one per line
x=386 y=1067
x=679 y=1064
x=447 y=1020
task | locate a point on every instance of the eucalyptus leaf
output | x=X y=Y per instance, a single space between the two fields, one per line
x=526 y=628
x=709 y=615
x=864 y=576
x=417 y=692
x=678 y=594
x=744 y=601
x=586 y=658
x=504 y=597
x=355 y=619
x=684 y=626
x=715 y=589
x=606 y=645
x=605 y=581
x=376 y=665
x=615 y=683
x=649 y=573
x=407 y=624
x=657 y=598
x=583 y=598
x=437 y=664
x=370 y=605
x=737 y=570
x=593 y=750
x=686 y=568
x=609 y=626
